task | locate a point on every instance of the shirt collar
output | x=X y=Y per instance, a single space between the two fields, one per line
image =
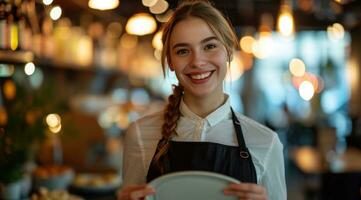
x=213 y=118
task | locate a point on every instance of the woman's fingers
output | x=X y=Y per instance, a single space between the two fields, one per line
x=247 y=191
x=245 y=195
x=135 y=192
x=138 y=194
x=247 y=187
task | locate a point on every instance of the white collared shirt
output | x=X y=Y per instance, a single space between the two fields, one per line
x=264 y=145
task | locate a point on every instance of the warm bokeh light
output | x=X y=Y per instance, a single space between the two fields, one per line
x=14 y=37
x=29 y=68
x=308 y=159
x=9 y=89
x=247 y=43
x=352 y=73
x=306 y=90
x=128 y=41
x=55 y=13
x=3 y=116
x=53 y=120
x=157 y=41
x=47 y=2
x=158 y=54
x=103 y=4
x=285 y=22
x=310 y=78
x=160 y=7
x=297 y=67
x=56 y=129
x=235 y=69
x=164 y=17
x=141 y=24
x=149 y=3
x=247 y=60
x=84 y=51
x=335 y=32
x=263 y=47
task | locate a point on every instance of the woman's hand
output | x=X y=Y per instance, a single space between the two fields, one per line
x=249 y=191
x=135 y=192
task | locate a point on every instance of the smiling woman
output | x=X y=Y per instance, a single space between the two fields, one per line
x=190 y=133
x=199 y=60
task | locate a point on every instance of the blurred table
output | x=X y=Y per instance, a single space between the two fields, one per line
x=311 y=160
x=89 y=195
x=340 y=173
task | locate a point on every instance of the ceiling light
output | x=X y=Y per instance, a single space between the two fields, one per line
x=103 y=4
x=141 y=24
x=47 y=2
x=285 y=21
x=55 y=13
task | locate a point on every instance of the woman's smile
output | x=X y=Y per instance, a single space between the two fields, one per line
x=200 y=77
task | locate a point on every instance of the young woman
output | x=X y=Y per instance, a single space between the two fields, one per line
x=198 y=129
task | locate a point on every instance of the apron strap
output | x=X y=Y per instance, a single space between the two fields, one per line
x=244 y=153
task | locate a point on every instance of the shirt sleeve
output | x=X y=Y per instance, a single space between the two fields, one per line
x=273 y=177
x=133 y=162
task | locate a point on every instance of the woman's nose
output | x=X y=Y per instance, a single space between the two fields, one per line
x=198 y=59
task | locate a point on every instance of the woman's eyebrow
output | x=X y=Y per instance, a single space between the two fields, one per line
x=209 y=39
x=182 y=44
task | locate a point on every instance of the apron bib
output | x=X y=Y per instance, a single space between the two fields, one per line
x=233 y=161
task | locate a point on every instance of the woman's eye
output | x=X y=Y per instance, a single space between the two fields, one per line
x=210 y=46
x=182 y=51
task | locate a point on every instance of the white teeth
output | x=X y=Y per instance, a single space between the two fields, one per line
x=201 y=76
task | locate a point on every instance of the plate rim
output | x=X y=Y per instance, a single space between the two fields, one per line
x=158 y=180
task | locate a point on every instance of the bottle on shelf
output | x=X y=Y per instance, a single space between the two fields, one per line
x=14 y=19
x=4 y=28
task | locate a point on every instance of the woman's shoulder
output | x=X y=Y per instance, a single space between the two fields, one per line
x=147 y=126
x=257 y=133
x=154 y=118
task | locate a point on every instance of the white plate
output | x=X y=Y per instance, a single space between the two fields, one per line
x=191 y=185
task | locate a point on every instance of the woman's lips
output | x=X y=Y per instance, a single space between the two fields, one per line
x=199 y=78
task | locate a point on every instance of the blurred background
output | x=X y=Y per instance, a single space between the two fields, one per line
x=75 y=73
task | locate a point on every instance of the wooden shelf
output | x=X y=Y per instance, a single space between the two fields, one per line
x=16 y=57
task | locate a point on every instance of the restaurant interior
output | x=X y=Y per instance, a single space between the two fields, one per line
x=75 y=73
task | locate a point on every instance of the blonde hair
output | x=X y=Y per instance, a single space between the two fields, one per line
x=223 y=31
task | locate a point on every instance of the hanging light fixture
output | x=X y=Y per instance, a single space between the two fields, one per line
x=55 y=13
x=103 y=4
x=141 y=24
x=285 y=22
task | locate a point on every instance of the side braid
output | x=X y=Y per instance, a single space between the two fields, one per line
x=171 y=116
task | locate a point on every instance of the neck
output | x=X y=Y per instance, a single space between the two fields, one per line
x=203 y=106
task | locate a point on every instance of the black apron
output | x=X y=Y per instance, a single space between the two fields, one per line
x=233 y=161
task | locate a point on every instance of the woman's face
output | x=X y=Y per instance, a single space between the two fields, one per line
x=198 y=58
